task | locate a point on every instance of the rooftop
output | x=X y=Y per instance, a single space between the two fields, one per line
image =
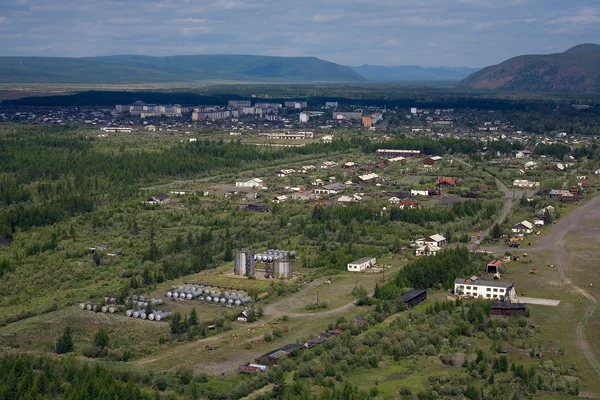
x=483 y=282
x=362 y=260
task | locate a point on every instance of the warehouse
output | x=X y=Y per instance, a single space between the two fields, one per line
x=508 y=309
x=409 y=299
x=362 y=264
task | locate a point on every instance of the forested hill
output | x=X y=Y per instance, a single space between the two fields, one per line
x=413 y=73
x=147 y=69
x=577 y=70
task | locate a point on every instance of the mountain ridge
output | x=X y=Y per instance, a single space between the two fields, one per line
x=186 y=68
x=577 y=70
x=413 y=73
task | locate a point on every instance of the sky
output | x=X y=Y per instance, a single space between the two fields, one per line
x=473 y=33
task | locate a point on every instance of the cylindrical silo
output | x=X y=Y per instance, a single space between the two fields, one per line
x=282 y=269
x=244 y=263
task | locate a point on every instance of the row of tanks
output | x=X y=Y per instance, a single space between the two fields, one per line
x=210 y=295
x=154 y=315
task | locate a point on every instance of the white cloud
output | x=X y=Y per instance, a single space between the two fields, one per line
x=390 y=43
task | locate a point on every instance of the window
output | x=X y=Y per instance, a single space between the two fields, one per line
x=489 y=289
x=488 y=295
x=469 y=287
x=501 y=290
x=461 y=287
x=495 y=290
x=474 y=287
x=495 y=296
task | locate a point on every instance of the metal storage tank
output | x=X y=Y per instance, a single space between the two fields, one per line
x=129 y=313
x=208 y=298
x=282 y=269
x=244 y=263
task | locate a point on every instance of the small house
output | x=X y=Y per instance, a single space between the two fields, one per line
x=333 y=188
x=493 y=267
x=408 y=204
x=243 y=316
x=159 y=198
x=252 y=183
x=445 y=181
x=361 y=264
x=410 y=299
x=280 y=199
x=437 y=240
x=252 y=368
x=427 y=250
x=523 y=227
x=538 y=221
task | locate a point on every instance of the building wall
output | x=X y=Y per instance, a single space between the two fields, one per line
x=482 y=291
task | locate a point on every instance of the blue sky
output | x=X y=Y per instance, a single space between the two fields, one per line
x=352 y=32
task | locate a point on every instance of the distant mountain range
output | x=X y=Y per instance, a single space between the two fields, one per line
x=577 y=70
x=147 y=69
x=413 y=73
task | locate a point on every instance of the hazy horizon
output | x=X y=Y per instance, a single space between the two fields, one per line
x=453 y=33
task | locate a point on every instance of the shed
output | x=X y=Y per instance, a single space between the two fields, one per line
x=362 y=264
x=413 y=297
x=508 y=309
x=493 y=267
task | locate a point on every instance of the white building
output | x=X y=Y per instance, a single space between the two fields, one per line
x=362 y=264
x=525 y=183
x=417 y=192
x=523 y=227
x=427 y=250
x=252 y=183
x=304 y=117
x=436 y=240
x=475 y=287
x=280 y=199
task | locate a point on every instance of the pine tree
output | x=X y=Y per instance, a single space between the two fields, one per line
x=65 y=342
x=193 y=319
x=101 y=339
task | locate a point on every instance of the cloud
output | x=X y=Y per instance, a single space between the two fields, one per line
x=325 y=17
x=351 y=32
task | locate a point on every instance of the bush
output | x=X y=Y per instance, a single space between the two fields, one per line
x=268 y=338
x=92 y=352
x=160 y=383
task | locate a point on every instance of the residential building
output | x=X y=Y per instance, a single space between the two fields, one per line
x=525 y=183
x=331 y=189
x=480 y=288
x=391 y=153
x=437 y=240
x=331 y=104
x=408 y=204
x=296 y=104
x=419 y=192
x=562 y=195
x=280 y=199
x=239 y=103
x=427 y=250
x=372 y=119
x=361 y=264
x=522 y=227
x=368 y=177
x=348 y=115
x=159 y=198
x=445 y=181
x=304 y=117
x=530 y=165
x=252 y=183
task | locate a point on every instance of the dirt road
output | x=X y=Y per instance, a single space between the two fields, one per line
x=509 y=197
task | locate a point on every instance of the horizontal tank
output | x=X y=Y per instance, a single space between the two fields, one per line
x=161 y=316
x=216 y=299
x=143 y=315
x=112 y=309
x=129 y=313
x=169 y=294
x=208 y=298
x=82 y=306
x=104 y=309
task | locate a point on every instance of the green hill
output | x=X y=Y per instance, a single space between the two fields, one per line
x=147 y=69
x=577 y=70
